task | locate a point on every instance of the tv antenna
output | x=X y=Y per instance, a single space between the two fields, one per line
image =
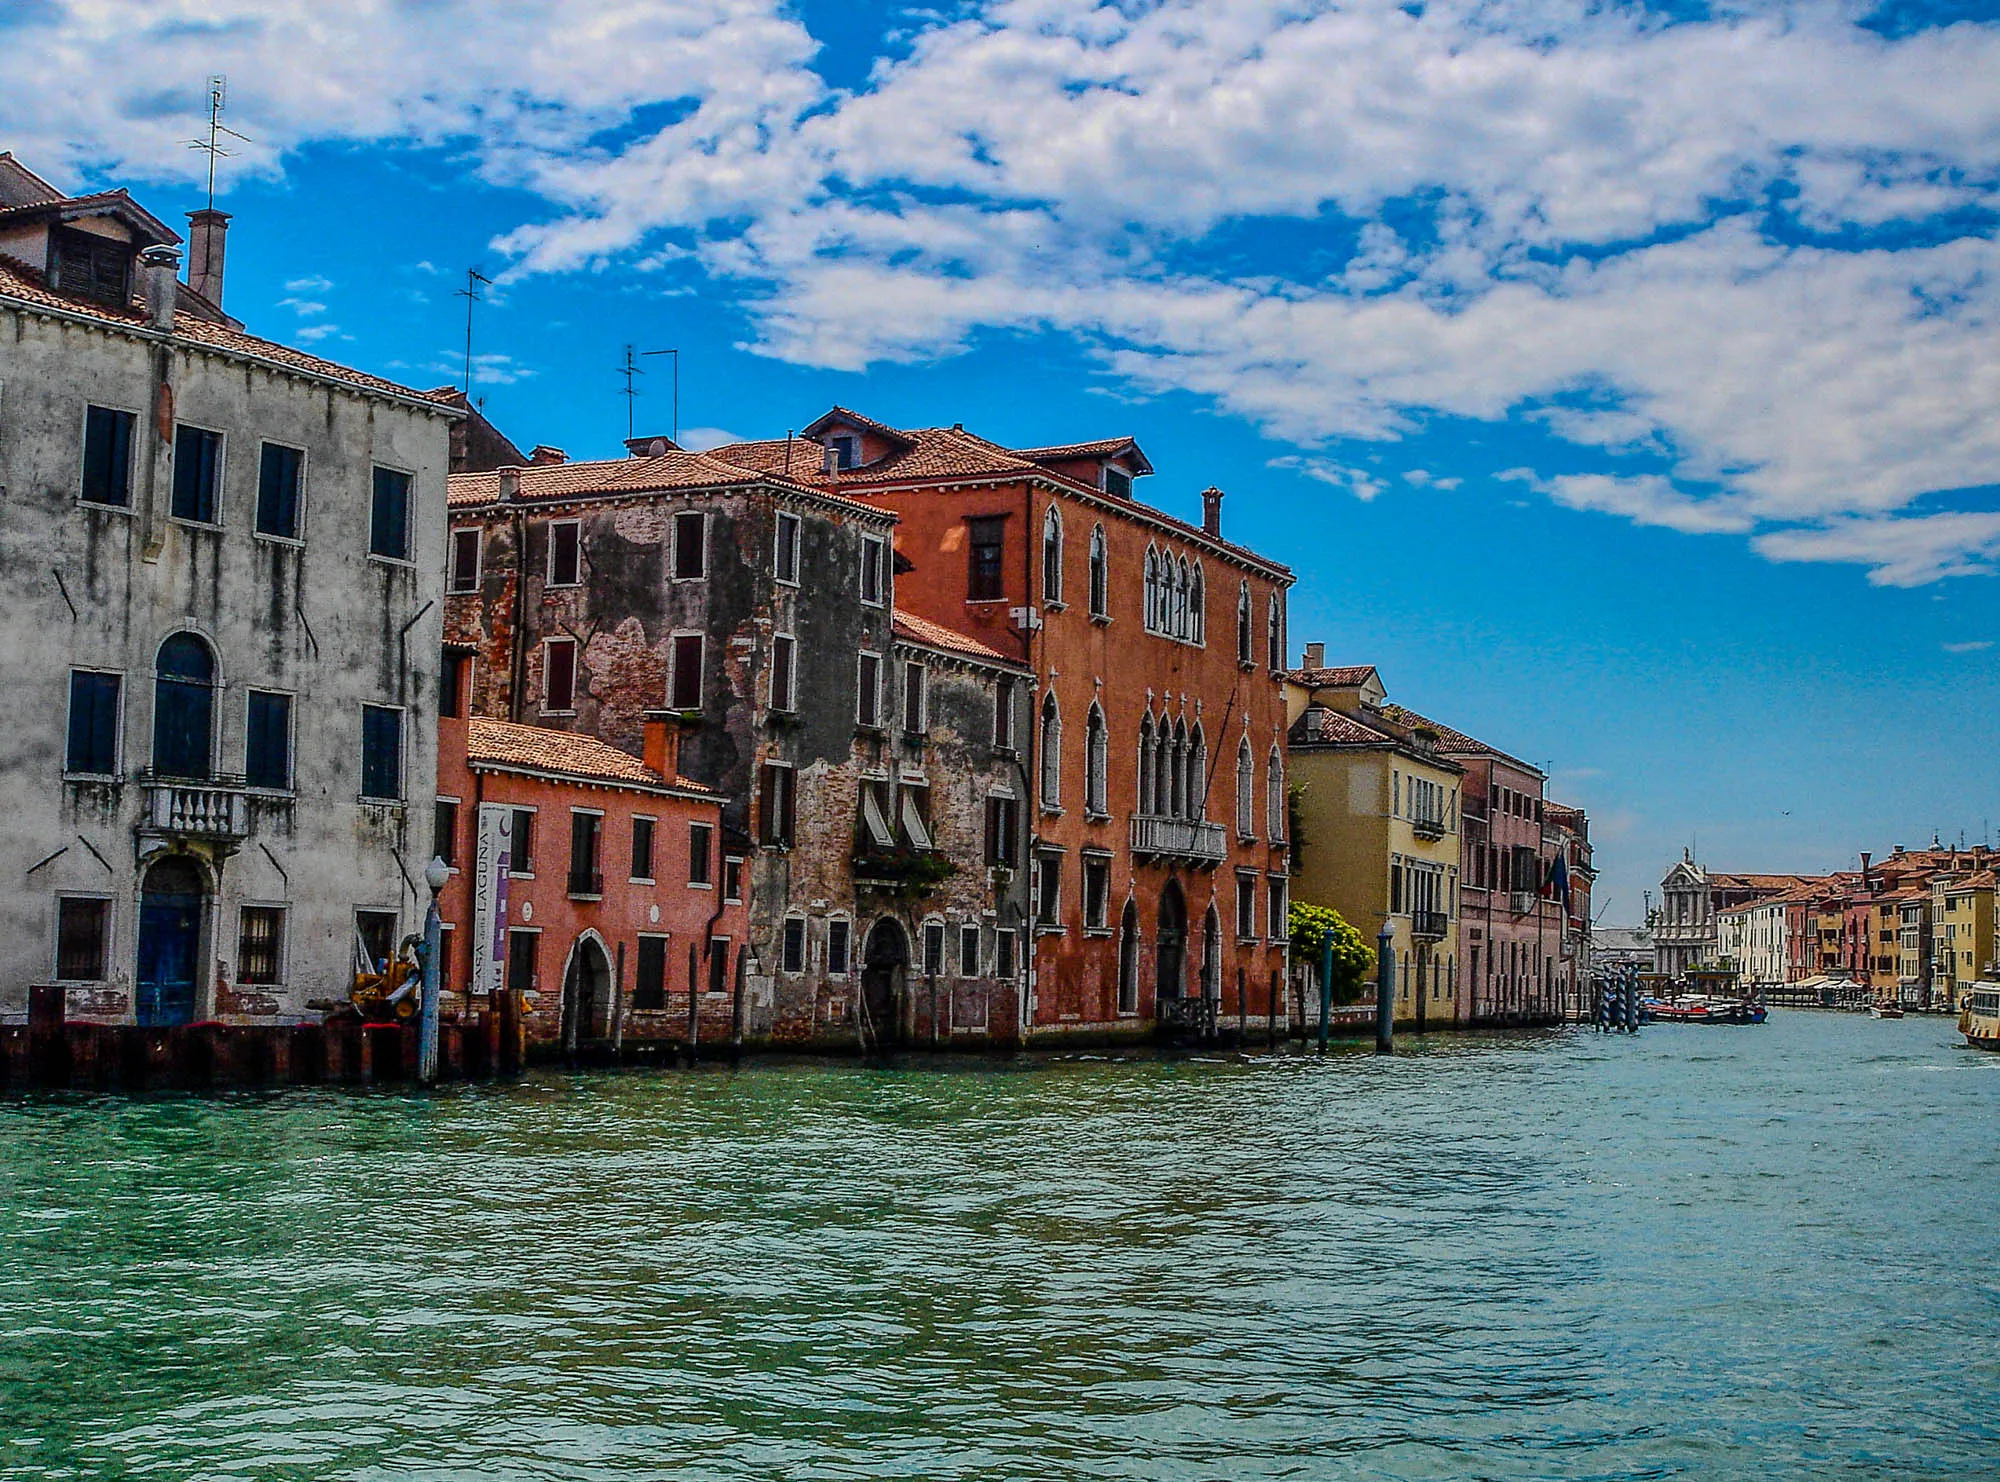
x=470 y=293
x=218 y=96
x=632 y=368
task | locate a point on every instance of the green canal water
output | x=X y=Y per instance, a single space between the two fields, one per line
x=1709 y=1253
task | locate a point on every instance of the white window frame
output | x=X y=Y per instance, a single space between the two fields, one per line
x=790 y=670
x=549 y=571
x=305 y=469
x=131 y=455
x=221 y=477
x=1089 y=860
x=785 y=545
x=872 y=720
x=875 y=553
x=805 y=944
x=1100 y=575
x=110 y=931
x=652 y=879
x=575 y=672
x=409 y=516
x=1246 y=905
x=453 y=587
x=920 y=723
x=284 y=910
x=709 y=857
x=69 y=706
x=971 y=931
x=840 y=918
x=674 y=556
x=1052 y=545
x=674 y=668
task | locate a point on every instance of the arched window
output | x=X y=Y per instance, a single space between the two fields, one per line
x=1146 y=764
x=1246 y=771
x=1243 y=623
x=1128 y=960
x=1051 y=753
x=1052 y=541
x=1163 y=766
x=1177 y=781
x=1096 y=762
x=1152 y=590
x=184 y=708
x=1181 y=599
x=1274 y=797
x=1276 y=636
x=1100 y=584
x=1197 y=765
x=1198 y=608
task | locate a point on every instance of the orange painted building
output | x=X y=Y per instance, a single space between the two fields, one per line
x=1151 y=740
x=618 y=898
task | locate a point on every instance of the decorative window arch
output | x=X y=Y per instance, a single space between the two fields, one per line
x=1052 y=553
x=1274 y=796
x=1051 y=771
x=1128 y=960
x=1146 y=763
x=1100 y=583
x=1197 y=774
x=1163 y=763
x=1152 y=590
x=1276 y=636
x=1182 y=582
x=1198 y=608
x=1246 y=806
x=1243 y=655
x=1096 y=761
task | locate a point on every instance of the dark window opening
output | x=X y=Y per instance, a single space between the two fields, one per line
x=83 y=929
x=521 y=843
x=184 y=708
x=642 y=849
x=585 y=833
x=522 y=947
x=559 y=682
x=93 y=723
x=260 y=941
x=649 y=987
x=381 y=752
x=792 y=950
x=787 y=564
x=90 y=266
x=701 y=854
x=451 y=680
x=389 y=515
x=686 y=682
x=279 y=473
x=107 y=456
x=868 y=691
x=465 y=560
x=690 y=546
x=565 y=553
x=718 y=964
x=775 y=805
x=267 y=750
x=377 y=931
x=444 y=831
x=838 y=938
x=1117 y=482
x=986 y=575
x=1002 y=830
x=784 y=655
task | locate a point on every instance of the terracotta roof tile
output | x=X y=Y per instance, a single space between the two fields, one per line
x=26 y=285
x=505 y=744
x=1326 y=727
x=1339 y=676
x=1452 y=741
x=923 y=630
x=610 y=477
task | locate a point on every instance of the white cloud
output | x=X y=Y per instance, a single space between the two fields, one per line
x=312 y=334
x=304 y=308
x=1972 y=646
x=701 y=439
x=1547 y=209
x=492 y=369
x=311 y=283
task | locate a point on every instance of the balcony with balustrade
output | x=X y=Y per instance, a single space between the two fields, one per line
x=213 y=810
x=1179 y=840
x=1428 y=826
x=1429 y=926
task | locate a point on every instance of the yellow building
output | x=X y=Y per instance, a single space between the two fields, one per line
x=1961 y=933
x=1378 y=830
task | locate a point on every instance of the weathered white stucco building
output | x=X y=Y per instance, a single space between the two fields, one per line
x=218 y=734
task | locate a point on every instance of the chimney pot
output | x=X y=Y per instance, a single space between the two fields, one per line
x=662 y=741
x=650 y=447
x=1211 y=511
x=510 y=482
x=1315 y=655
x=545 y=454
x=160 y=285
x=206 y=230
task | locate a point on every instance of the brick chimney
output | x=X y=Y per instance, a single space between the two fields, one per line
x=662 y=741
x=510 y=482
x=206 y=230
x=545 y=454
x=1211 y=511
x=1315 y=656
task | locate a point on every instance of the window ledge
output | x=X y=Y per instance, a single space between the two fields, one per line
x=102 y=508
x=696 y=884
x=386 y=560
x=295 y=541
x=1096 y=815
x=96 y=778
x=1050 y=929
x=367 y=802
x=1056 y=606
x=1097 y=931
x=585 y=895
x=1102 y=619
x=1052 y=810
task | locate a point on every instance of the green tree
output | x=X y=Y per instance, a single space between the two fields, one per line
x=1353 y=958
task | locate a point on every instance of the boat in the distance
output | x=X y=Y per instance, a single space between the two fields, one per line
x=1703 y=1009
x=1887 y=1009
x=1979 y=1019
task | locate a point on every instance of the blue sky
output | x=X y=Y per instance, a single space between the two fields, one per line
x=1624 y=382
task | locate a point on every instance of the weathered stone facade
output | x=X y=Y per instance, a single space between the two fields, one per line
x=202 y=630
x=595 y=587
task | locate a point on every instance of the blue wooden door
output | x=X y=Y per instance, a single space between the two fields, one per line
x=169 y=939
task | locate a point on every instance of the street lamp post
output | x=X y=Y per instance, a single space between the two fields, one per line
x=436 y=873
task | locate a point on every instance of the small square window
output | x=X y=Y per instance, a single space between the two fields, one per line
x=260 y=946
x=280 y=473
x=83 y=930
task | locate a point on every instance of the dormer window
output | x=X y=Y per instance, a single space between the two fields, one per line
x=90 y=266
x=1116 y=481
x=844 y=450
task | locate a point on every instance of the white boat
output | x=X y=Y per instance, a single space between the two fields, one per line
x=1979 y=1019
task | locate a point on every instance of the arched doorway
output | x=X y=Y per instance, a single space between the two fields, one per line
x=1169 y=954
x=184 y=708
x=170 y=906
x=1211 y=956
x=586 y=1000
x=884 y=962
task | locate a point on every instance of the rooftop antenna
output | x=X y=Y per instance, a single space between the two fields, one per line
x=470 y=293
x=632 y=368
x=218 y=96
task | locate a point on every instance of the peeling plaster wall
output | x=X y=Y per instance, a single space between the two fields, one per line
x=317 y=618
